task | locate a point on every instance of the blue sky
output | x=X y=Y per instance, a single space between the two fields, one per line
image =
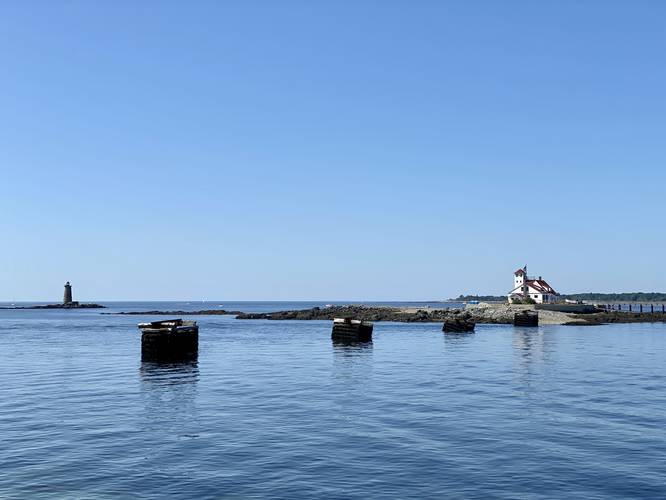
x=369 y=150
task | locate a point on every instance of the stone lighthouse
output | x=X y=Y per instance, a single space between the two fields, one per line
x=67 y=298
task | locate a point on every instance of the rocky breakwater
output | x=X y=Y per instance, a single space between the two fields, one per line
x=203 y=312
x=364 y=313
x=488 y=313
x=606 y=317
x=402 y=315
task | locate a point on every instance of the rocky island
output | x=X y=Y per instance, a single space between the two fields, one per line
x=72 y=305
x=67 y=303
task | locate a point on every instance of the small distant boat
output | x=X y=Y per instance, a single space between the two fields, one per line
x=473 y=302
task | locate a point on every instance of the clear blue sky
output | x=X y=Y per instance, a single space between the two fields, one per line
x=330 y=150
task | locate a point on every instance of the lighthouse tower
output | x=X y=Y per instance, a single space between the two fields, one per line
x=519 y=277
x=67 y=298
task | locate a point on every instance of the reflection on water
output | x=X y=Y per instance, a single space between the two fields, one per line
x=350 y=348
x=275 y=410
x=530 y=344
x=351 y=376
x=168 y=374
x=352 y=359
x=457 y=339
x=169 y=393
x=532 y=347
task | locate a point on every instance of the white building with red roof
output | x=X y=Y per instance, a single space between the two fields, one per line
x=536 y=289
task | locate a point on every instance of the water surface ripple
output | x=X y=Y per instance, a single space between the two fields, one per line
x=275 y=409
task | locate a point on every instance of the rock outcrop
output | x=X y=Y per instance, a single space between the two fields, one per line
x=203 y=312
x=606 y=317
x=69 y=305
x=364 y=313
x=367 y=313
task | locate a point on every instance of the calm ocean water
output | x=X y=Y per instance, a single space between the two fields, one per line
x=274 y=409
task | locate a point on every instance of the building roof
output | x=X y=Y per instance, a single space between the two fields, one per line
x=541 y=286
x=520 y=271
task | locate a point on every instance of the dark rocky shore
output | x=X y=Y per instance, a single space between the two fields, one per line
x=204 y=312
x=361 y=312
x=489 y=315
x=603 y=318
x=327 y=313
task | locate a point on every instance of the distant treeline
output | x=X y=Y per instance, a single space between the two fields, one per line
x=480 y=298
x=619 y=297
x=598 y=297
